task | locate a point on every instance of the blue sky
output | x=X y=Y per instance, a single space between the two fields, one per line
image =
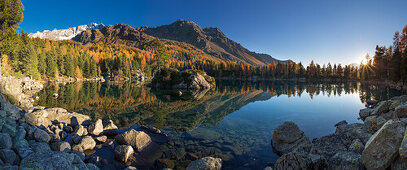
x=339 y=31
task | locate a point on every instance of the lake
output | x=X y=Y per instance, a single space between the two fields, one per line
x=234 y=121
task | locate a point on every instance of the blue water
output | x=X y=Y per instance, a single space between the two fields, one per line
x=234 y=122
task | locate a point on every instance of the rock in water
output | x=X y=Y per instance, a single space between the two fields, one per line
x=382 y=148
x=293 y=160
x=382 y=107
x=123 y=152
x=97 y=128
x=206 y=163
x=288 y=138
x=363 y=113
x=137 y=139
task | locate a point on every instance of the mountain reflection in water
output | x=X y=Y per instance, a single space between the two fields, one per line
x=201 y=124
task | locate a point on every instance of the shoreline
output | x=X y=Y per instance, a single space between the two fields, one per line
x=379 y=142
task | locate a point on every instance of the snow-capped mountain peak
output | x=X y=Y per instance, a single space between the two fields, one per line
x=65 y=34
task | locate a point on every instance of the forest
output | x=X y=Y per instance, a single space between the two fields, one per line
x=47 y=59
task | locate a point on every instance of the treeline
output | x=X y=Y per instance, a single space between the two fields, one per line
x=388 y=63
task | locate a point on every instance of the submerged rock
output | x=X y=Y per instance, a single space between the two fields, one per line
x=206 y=163
x=137 y=139
x=382 y=148
x=288 y=138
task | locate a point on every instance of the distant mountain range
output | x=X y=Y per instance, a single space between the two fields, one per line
x=65 y=34
x=210 y=40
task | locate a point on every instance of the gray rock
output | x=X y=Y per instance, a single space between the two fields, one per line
x=328 y=146
x=363 y=113
x=401 y=110
x=346 y=160
x=91 y=166
x=403 y=147
x=5 y=141
x=41 y=136
x=61 y=146
x=10 y=129
x=137 y=139
x=24 y=152
x=9 y=156
x=40 y=147
x=87 y=143
x=20 y=133
x=288 y=138
x=96 y=128
x=123 y=152
x=206 y=163
x=48 y=160
x=382 y=148
x=381 y=108
x=399 y=164
x=76 y=139
x=370 y=124
x=10 y=167
x=357 y=146
x=20 y=144
x=293 y=160
x=353 y=131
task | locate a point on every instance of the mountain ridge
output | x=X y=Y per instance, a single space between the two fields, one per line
x=210 y=40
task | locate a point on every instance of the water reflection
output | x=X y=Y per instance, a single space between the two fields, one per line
x=235 y=121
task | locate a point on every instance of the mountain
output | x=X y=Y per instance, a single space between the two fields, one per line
x=211 y=40
x=65 y=34
x=182 y=35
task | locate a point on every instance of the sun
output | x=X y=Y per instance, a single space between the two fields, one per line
x=363 y=62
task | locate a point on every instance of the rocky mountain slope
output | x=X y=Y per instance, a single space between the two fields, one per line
x=65 y=34
x=211 y=40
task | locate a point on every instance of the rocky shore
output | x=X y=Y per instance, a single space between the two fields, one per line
x=378 y=143
x=37 y=137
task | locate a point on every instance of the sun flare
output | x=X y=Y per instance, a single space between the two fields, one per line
x=364 y=62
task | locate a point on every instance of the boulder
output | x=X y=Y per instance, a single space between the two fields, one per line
x=350 y=132
x=87 y=143
x=101 y=139
x=293 y=160
x=357 y=146
x=363 y=113
x=24 y=152
x=328 y=146
x=110 y=129
x=80 y=130
x=61 y=146
x=41 y=136
x=346 y=160
x=45 y=116
x=370 y=124
x=382 y=148
x=382 y=107
x=401 y=110
x=123 y=152
x=5 y=141
x=9 y=156
x=96 y=128
x=10 y=129
x=52 y=160
x=288 y=138
x=137 y=139
x=37 y=118
x=75 y=139
x=399 y=164
x=403 y=147
x=206 y=163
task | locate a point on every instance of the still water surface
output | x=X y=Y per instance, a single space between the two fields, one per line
x=235 y=121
